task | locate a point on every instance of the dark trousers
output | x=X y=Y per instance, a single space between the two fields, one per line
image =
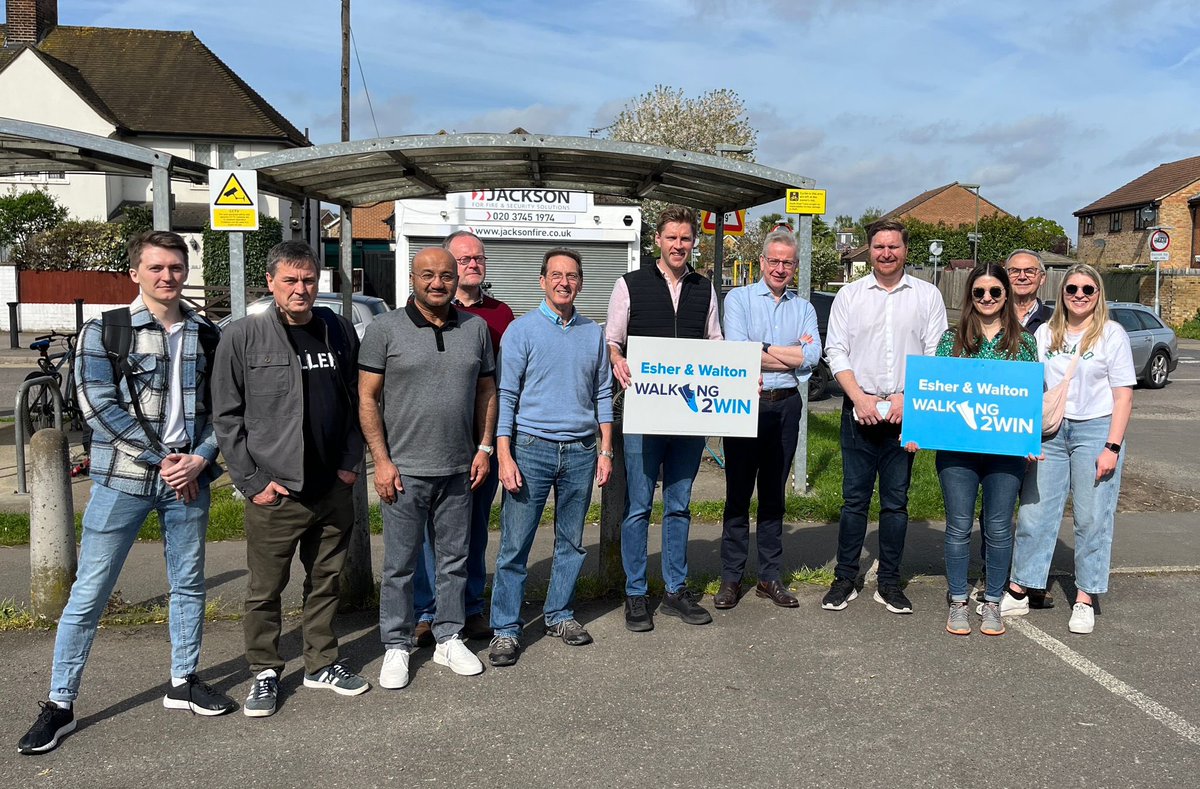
x=767 y=460
x=321 y=530
x=869 y=453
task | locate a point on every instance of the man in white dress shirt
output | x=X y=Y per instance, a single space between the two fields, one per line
x=874 y=324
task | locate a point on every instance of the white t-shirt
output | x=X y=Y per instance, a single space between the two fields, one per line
x=1107 y=364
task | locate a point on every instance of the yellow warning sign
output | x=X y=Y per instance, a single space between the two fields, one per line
x=232 y=193
x=805 y=201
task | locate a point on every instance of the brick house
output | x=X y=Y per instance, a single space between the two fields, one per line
x=1115 y=230
x=952 y=204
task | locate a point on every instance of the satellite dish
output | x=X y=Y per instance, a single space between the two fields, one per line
x=935 y=248
x=1148 y=213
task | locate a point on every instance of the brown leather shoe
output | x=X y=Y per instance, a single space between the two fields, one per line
x=777 y=593
x=477 y=626
x=423 y=634
x=728 y=595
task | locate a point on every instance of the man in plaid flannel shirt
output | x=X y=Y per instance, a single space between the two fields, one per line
x=164 y=465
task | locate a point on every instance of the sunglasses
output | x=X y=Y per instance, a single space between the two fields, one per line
x=995 y=292
x=1088 y=290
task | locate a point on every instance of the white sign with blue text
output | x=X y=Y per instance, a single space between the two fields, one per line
x=692 y=387
x=973 y=405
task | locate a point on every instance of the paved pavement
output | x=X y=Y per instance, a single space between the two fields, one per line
x=763 y=696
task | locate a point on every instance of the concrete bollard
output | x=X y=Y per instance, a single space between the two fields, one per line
x=52 y=559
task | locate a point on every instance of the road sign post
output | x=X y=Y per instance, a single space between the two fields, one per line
x=1160 y=242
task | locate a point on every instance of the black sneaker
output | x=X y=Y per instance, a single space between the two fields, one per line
x=504 y=651
x=893 y=599
x=637 y=614
x=570 y=631
x=52 y=723
x=683 y=605
x=263 y=695
x=840 y=593
x=199 y=697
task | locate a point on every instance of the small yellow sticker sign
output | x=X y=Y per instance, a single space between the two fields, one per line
x=233 y=199
x=805 y=201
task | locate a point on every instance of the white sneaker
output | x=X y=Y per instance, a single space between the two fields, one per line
x=394 y=673
x=454 y=654
x=1083 y=618
x=1009 y=605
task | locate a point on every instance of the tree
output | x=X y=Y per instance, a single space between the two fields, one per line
x=73 y=246
x=138 y=219
x=665 y=116
x=1043 y=234
x=25 y=214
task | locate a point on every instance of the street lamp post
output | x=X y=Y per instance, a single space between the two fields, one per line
x=975 y=235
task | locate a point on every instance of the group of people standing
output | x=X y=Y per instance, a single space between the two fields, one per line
x=453 y=397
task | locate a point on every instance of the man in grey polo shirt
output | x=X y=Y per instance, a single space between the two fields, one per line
x=436 y=365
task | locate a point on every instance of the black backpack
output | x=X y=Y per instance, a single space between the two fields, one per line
x=116 y=332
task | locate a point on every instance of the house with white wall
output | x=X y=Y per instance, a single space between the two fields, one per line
x=156 y=88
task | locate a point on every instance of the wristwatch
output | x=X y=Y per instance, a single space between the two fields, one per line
x=1116 y=448
x=487 y=450
x=606 y=453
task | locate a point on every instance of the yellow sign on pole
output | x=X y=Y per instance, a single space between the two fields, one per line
x=233 y=199
x=805 y=201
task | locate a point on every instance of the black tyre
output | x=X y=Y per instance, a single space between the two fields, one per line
x=37 y=410
x=818 y=384
x=1157 y=370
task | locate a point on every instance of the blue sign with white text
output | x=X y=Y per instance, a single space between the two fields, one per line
x=973 y=405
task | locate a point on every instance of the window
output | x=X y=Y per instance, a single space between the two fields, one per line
x=212 y=154
x=35 y=178
x=1149 y=321
x=1089 y=225
x=1127 y=320
x=1150 y=218
x=1114 y=222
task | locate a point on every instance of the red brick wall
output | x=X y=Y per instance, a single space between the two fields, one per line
x=1129 y=246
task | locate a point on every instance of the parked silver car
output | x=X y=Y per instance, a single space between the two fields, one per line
x=1154 y=345
x=365 y=308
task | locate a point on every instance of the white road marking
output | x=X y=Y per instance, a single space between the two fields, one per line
x=1110 y=683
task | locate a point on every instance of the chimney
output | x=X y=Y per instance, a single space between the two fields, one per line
x=30 y=20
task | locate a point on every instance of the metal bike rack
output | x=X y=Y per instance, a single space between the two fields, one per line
x=20 y=426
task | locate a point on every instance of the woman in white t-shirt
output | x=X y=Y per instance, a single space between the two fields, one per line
x=1084 y=457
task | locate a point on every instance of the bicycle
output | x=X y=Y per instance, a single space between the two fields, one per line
x=38 y=406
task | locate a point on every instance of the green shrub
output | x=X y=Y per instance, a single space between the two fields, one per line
x=74 y=245
x=258 y=243
x=1191 y=329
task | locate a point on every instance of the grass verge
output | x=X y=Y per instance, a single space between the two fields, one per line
x=822 y=505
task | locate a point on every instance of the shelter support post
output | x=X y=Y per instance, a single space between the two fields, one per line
x=346 y=262
x=160 y=196
x=237 y=274
x=612 y=510
x=718 y=277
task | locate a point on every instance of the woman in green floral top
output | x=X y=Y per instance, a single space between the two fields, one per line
x=988 y=328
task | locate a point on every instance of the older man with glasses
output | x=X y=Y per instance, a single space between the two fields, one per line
x=1026 y=273
x=786 y=325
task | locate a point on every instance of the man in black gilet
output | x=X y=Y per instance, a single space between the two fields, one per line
x=668 y=299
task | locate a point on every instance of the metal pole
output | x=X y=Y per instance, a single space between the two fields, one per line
x=237 y=274
x=160 y=191
x=345 y=70
x=14 y=329
x=719 y=263
x=1157 y=276
x=612 y=509
x=52 y=560
x=346 y=258
x=78 y=315
x=976 y=254
x=803 y=287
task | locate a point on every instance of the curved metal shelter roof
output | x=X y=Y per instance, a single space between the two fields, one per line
x=32 y=147
x=392 y=168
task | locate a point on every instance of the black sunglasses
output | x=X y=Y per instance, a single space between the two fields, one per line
x=994 y=291
x=1088 y=290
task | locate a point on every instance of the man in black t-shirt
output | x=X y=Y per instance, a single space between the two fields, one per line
x=285 y=402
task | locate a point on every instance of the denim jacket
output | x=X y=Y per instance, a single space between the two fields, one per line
x=123 y=456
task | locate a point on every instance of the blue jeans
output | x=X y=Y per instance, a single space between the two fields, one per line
x=1070 y=465
x=110 y=526
x=424 y=599
x=567 y=468
x=679 y=459
x=962 y=474
x=867 y=452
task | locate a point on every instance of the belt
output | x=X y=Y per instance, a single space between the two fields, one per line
x=775 y=395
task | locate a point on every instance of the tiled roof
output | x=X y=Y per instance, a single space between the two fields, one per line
x=158 y=82
x=903 y=210
x=1164 y=180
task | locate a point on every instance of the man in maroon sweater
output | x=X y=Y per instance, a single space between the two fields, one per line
x=467 y=250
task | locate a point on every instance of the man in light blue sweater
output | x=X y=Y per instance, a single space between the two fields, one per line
x=555 y=391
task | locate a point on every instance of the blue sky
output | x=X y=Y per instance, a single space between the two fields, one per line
x=1048 y=105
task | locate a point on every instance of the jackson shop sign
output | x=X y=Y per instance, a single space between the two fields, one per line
x=521 y=200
